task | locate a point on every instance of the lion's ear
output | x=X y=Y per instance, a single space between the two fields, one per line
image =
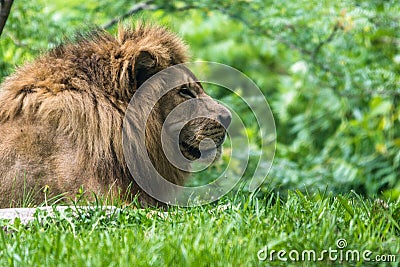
x=145 y=67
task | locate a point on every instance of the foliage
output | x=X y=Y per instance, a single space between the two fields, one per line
x=329 y=69
x=228 y=234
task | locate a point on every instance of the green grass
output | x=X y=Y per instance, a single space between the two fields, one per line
x=228 y=233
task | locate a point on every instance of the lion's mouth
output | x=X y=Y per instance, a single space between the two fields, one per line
x=192 y=152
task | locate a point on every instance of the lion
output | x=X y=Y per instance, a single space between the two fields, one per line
x=62 y=115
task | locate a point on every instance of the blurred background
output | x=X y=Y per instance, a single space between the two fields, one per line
x=330 y=71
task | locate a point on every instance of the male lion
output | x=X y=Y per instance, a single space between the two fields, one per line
x=61 y=117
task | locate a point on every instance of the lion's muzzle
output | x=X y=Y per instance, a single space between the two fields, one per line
x=203 y=137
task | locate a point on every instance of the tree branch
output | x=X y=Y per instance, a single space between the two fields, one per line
x=263 y=31
x=5 y=7
x=324 y=42
x=135 y=9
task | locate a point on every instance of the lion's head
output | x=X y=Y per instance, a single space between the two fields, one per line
x=182 y=124
x=197 y=121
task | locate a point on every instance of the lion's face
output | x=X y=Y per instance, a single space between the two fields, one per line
x=199 y=123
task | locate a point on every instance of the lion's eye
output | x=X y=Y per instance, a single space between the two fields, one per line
x=186 y=92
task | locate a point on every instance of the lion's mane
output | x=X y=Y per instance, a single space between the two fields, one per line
x=61 y=115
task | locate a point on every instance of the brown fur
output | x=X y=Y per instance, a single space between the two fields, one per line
x=61 y=115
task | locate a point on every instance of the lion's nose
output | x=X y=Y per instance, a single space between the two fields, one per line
x=225 y=118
